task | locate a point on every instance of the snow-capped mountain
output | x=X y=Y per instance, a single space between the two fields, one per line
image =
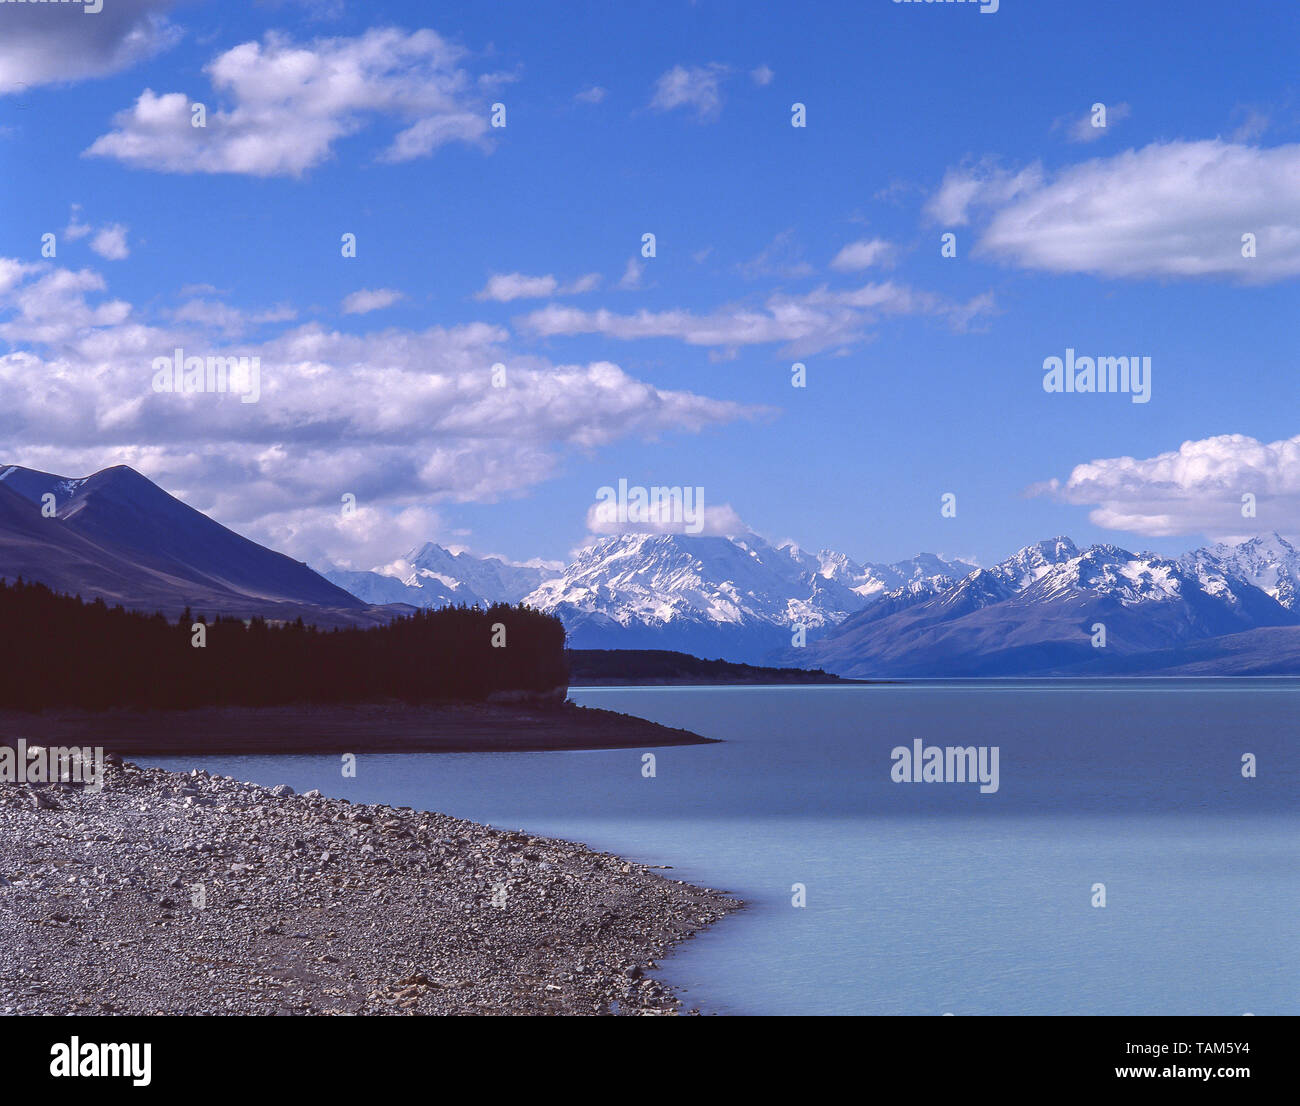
x=742 y=599
x=433 y=576
x=1035 y=612
x=1269 y=562
x=736 y=597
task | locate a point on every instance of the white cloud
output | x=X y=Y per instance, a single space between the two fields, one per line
x=984 y=185
x=1171 y=209
x=1195 y=489
x=278 y=108
x=762 y=76
x=807 y=323
x=593 y=95
x=76 y=229
x=404 y=420
x=505 y=287
x=215 y=316
x=667 y=514
x=697 y=88
x=60 y=43
x=13 y=271
x=358 y=541
x=110 y=243
x=109 y=240
x=631 y=277
x=1082 y=129
x=370 y=299
x=863 y=254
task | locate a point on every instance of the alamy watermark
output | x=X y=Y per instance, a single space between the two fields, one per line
x=241 y=376
x=947 y=764
x=656 y=507
x=80 y=764
x=102 y=1061
x=1099 y=374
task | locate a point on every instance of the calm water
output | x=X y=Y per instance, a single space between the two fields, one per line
x=930 y=898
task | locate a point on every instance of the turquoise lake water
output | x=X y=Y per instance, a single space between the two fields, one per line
x=929 y=898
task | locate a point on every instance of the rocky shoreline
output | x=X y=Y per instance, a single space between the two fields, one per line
x=196 y=894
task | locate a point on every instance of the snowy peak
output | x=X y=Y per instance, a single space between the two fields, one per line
x=434 y=576
x=489 y=578
x=1110 y=572
x=1268 y=562
x=1033 y=561
x=745 y=599
x=660 y=578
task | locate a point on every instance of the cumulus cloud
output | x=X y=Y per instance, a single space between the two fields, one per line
x=404 y=420
x=110 y=243
x=593 y=95
x=862 y=255
x=663 y=510
x=696 y=88
x=808 y=323
x=1195 y=489
x=359 y=540
x=278 y=108
x=44 y=44
x=370 y=299
x=1171 y=209
x=985 y=185
x=13 y=271
x=504 y=287
x=762 y=76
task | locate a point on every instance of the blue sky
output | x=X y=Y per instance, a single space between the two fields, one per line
x=774 y=244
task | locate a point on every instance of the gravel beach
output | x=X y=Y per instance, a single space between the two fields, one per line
x=196 y=894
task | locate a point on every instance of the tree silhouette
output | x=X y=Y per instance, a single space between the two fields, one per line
x=57 y=651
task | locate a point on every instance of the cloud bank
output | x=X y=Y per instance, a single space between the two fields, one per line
x=1171 y=209
x=1195 y=489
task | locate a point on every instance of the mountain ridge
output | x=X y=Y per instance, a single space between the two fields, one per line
x=117 y=536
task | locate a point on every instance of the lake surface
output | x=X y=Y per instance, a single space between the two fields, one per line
x=929 y=898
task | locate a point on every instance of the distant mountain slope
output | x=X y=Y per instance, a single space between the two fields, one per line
x=432 y=576
x=118 y=536
x=1034 y=613
x=1271 y=651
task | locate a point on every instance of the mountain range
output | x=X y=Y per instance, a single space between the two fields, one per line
x=737 y=598
x=1038 y=612
x=432 y=576
x=117 y=536
x=1050 y=608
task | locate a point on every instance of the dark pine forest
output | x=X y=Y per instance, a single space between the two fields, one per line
x=58 y=651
